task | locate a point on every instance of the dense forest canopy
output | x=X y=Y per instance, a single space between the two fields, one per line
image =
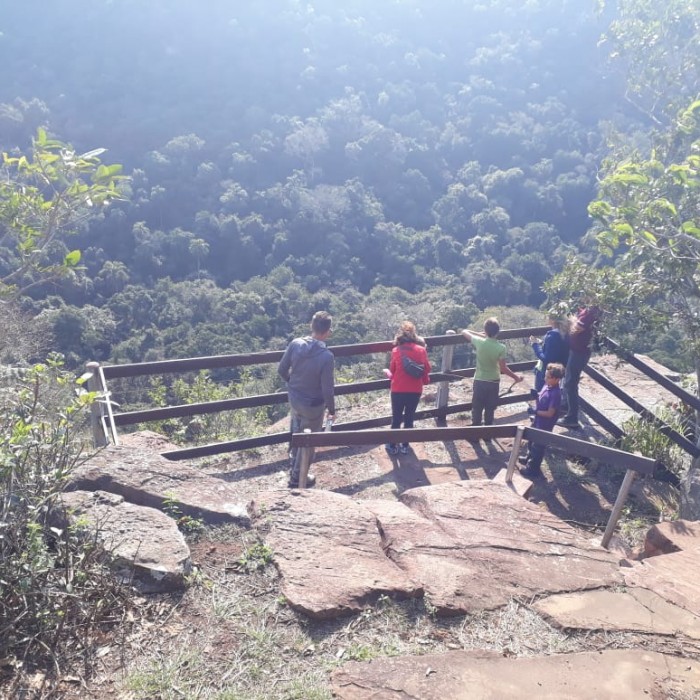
x=379 y=159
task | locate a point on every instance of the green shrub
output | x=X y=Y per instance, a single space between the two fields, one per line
x=54 y=586
x=644 y=437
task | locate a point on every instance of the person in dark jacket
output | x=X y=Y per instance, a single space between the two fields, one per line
x=406 y=390
x=308 y=367
x=582 y=329
x=554 y=348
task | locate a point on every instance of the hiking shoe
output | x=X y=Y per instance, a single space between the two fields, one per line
x=530 y=472
x=403 y=449
x=310 y=482
x=522 y=460
x=392 y=449
x=569 y=423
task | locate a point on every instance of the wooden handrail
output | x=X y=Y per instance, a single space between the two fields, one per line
x=192 y=364
x=571 y=445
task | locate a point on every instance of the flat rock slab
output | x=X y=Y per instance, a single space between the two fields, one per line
x=672 y=576
x=329 y=552
x=672 y=536
x=475 y=545
x=462 y=675
x=636 y=610
x=142 y=542
x=147 y=479
x=467 y=546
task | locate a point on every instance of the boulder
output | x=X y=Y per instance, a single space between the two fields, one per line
x=476 y=675
x=143 y=543
x=672 y=536
x=147 y=479
x=474 y=545
x=328 y=551
x=672 y=576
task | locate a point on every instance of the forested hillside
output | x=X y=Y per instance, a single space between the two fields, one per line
x=429 y=157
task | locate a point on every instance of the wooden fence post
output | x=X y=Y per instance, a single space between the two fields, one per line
x=443 y=391
x=617 y=508
x=514 y=454
x=305 y=457
x=99 y=435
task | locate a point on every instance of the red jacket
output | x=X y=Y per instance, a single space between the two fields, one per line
x=400 y=380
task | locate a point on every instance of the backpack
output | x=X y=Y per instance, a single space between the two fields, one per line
x=411 y=367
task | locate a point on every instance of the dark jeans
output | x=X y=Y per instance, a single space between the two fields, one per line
x=484 y=401
x=403 y=408
x=574 y=367
x=535 y=454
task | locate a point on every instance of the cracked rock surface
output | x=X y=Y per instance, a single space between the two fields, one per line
x=466 y=546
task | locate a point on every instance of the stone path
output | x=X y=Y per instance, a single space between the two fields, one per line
x=462 y=675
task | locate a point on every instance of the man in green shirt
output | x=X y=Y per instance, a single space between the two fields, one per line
x=490 y=364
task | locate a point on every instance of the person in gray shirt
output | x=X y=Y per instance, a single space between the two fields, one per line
x=308 y=368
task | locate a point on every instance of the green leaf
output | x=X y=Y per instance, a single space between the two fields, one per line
x=691 y=228
x=72 y=258
x=622 y=228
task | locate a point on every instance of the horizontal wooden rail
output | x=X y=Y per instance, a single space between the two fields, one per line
x=206 y=407
x=278 y=438
x=610 y=455
x=193 y=364
x=378 y=437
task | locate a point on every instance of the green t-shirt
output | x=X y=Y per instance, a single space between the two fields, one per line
x=488 y=353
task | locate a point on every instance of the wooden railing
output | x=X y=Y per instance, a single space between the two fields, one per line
x=633 y=464
x=106 y=420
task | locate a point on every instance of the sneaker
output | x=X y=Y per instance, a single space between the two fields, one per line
x=569 y=423
x=392 y=449
x=522 y=460
x=403 y=449
x=530 y=472
x=310 y=482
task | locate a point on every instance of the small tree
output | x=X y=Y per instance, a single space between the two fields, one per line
x=648 y=232
x=55 y=585
x=44 y=197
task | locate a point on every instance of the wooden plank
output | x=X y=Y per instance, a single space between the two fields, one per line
x=378 y=437
x=196 y=409
x=207 y=407
x=680 y=440
x=650 y=372
x=609 y=455
x=218 y=448
x=193 y=364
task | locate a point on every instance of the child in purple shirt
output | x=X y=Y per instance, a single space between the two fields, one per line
x=545 y=414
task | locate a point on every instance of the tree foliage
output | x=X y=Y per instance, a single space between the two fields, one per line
x=648 y=233
x=45 y=197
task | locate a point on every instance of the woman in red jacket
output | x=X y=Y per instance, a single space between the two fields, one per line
x=406 y=388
